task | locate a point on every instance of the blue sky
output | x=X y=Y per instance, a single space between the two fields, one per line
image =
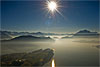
x=32 y=16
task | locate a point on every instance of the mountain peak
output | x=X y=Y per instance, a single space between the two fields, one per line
x=84 y=31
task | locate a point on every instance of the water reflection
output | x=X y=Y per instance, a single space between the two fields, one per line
x=53 y=63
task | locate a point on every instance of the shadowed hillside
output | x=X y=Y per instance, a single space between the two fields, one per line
x=35 y=58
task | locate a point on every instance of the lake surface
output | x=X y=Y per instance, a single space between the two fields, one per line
x=68 y=52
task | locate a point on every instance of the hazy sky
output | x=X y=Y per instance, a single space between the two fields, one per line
x=32 y=16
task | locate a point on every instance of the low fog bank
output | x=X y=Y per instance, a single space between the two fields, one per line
x=67 y=50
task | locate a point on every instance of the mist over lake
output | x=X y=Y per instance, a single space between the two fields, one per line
x=67 y=52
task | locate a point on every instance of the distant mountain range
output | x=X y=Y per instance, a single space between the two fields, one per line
x=83 y=33
x=6 y=35
x=86 y=33
x=29 y=38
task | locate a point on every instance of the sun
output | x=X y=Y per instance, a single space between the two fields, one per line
x=52 y=6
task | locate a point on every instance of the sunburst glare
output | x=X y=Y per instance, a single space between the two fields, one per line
x=52 y=6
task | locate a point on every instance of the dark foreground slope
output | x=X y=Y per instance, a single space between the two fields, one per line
x=35 y=58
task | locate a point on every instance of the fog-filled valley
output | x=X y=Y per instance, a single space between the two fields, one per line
x=69 y=50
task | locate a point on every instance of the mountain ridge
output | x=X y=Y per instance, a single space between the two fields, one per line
x=30 y=38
